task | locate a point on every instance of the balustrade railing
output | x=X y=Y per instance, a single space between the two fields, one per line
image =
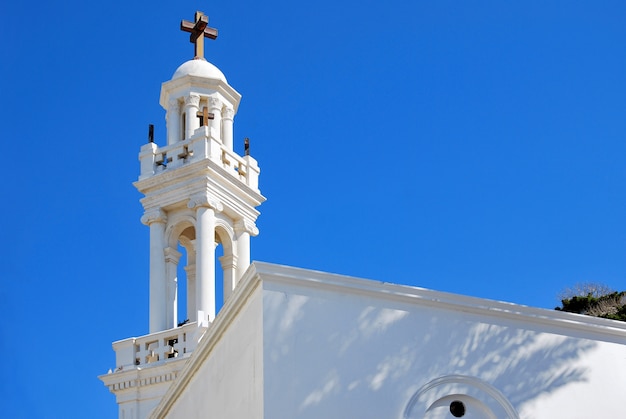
x=156 y=347
x=202 y=145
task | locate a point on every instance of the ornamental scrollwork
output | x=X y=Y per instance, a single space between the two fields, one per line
x=204 y=200
x=246 y=226
x=156 y=215
x=192 y=100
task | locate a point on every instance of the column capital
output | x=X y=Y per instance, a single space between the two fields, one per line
x=214 y=103
x=247 y=226
x=192 y=100
x=191 y=271
x=228 y=113
x=204 y=200
x=172 y=255
x=156 y=215
x=228 y=262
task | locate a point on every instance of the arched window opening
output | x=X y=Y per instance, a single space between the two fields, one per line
x=186 y=309
x=183 y=285
x=182 y=277
x=219 y=276
x=225 y=261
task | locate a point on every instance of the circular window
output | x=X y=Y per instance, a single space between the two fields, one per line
x=459 y=396
x=457 y=408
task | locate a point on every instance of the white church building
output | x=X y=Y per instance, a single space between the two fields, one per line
x=294 y=343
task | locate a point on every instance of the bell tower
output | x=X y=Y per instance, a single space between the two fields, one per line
x=198 y=194
x=197 y=191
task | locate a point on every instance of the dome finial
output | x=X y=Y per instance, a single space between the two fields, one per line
x=199 y=30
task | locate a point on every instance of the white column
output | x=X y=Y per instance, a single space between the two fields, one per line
x=244 y=229
x=215 y=107
x=192 y=123
x=156 y=219
x=229 y=268
x=205 y=255
x=191 y=292
x=172 y=256
x=205 y=265
x=227 y=128
x=173 y=122
x=190 y=271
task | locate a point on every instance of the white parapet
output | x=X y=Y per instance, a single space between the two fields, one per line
x=146 y=366
x=157 y=347
x=204 y=144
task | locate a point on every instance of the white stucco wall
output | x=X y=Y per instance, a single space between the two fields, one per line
x=228 y=382
x=301 y=344
x=341 y=353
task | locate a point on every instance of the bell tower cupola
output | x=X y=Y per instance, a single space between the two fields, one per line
x=198 y=192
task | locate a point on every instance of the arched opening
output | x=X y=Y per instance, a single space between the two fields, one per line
x=182 y=281
x=225 y=261
x=186 y=273
x=181 y=273
x=219 y=275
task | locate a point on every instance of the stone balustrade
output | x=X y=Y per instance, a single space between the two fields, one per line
x=157 y=347
x=245 y=168
x=202 y=145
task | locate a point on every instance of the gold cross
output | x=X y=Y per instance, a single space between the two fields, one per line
x=204 y=116
x=199 y=30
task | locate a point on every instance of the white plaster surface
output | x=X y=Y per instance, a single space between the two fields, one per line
x=333 y=354
x=313 y=345
x=596 y=393
x=229 y=381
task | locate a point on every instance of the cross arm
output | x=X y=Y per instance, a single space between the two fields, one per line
x=199 y=28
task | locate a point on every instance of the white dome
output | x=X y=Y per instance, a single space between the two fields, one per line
x=199 y=68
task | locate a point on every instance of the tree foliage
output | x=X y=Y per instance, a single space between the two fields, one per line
x=594 y=300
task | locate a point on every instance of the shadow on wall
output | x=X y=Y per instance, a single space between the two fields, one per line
x=338 y=356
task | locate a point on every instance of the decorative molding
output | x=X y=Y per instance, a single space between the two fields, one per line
x=191 y=271
x=459 y=386
x=187 y=243
x=127 y=379
x=247 y=226
x=587 y=327
x=205 y=200
x=170 y=187
x=154 y=216
x=228 y=114
x=173 y=87
x=142 y=382
x=228 y=262
x=172 y=255
x=214 y=104
x=192 y=100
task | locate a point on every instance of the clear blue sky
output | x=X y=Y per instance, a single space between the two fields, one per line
x=471 y=147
